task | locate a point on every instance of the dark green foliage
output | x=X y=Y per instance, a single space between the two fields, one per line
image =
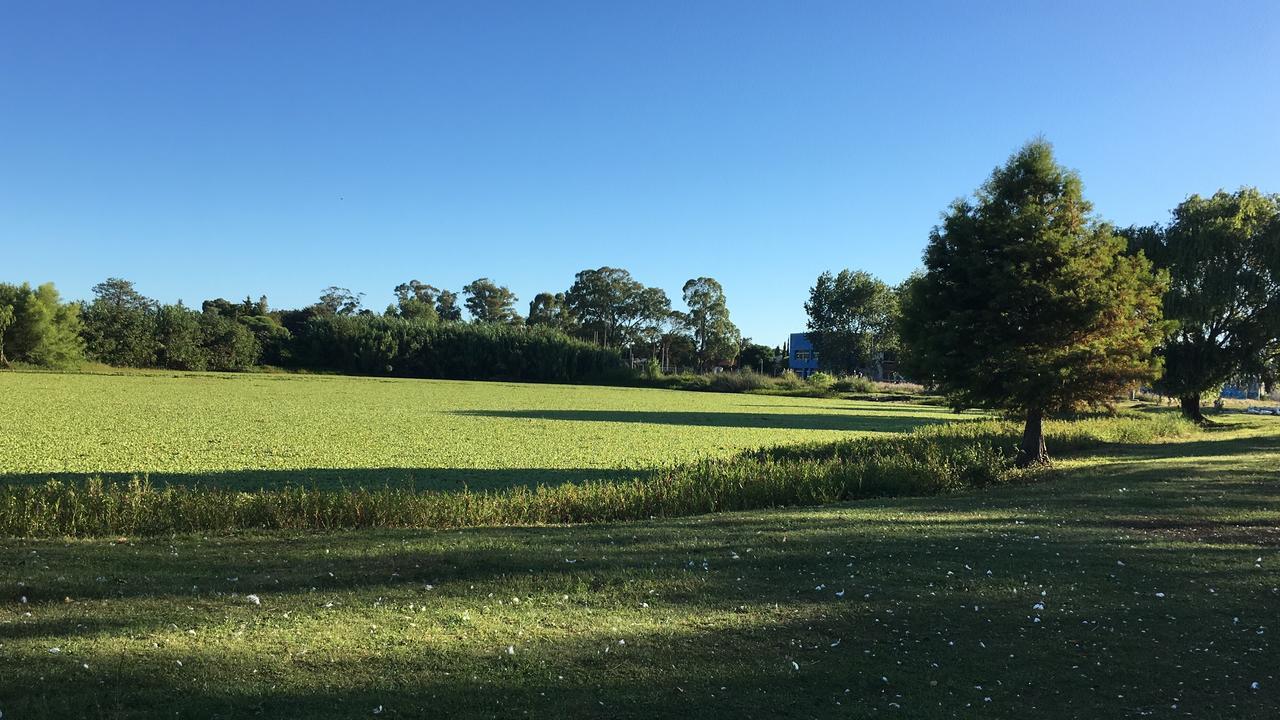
x=416 y=301
x=614 y=309
x=677 y=350
x=490 y=303
x=274 y=340
x=336 y=300
x=760 y=358
x=1222 y=254
x=852 y=319
x=120 y=325
x=236 y=311
x=1030 y=305
x=551 y=310
x=6 y=319
x=447 y=307
x=180 y=341
x=36 y=327
x=715 y=337
x=228 y=344
x=414 y=348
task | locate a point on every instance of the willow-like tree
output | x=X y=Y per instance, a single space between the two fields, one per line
x=1223 y=255
x=852 y=318
x=1029 y=304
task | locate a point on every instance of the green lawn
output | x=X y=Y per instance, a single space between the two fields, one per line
x=264 y=430
x=1144 y=583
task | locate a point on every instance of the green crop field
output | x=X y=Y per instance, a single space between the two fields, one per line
x=265 y=430
x=1139 y=577
x=1142 y=582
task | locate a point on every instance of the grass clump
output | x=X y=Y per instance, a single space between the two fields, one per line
x=927 y=461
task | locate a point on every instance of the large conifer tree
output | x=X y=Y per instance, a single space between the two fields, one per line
x=1029 y=304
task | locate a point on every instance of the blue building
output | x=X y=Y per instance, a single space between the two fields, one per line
x=802 y=359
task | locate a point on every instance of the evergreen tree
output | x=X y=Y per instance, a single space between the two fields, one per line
x=42 y=330
x=1030 y=305
x=120 y=325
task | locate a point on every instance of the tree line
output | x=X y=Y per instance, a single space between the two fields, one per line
x=582 y=332
x=1030 y=303
x=1027 y=301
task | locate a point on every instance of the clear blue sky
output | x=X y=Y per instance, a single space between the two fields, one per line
x=231 y=149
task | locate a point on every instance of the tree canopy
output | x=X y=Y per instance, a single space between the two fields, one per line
x=852 y=318
x=40 y=328
x=1222 y=254
x=613 y=308
x=550 y=309
x=489 y=302
x=119 y=325
x=336 y=300
x=447 y=306
x=715 y=337
x=1028 y=303
x=415 y=300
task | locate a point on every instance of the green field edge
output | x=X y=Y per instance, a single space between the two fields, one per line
x=927 y=461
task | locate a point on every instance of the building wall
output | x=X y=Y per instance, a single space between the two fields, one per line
x=802 y=359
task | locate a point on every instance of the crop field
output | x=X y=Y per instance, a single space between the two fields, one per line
x=252 y=431
x=1142 y=582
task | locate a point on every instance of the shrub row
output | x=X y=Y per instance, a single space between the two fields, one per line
x=788 y=383
x=927 y=461
x=377 y=345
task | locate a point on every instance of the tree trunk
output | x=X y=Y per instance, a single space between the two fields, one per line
x=1032 y=451
x=1191 y=409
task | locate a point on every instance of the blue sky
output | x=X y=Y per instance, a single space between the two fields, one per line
x=232 y=149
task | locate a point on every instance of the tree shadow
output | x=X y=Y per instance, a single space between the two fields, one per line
x=726 y=651
x=871 y=423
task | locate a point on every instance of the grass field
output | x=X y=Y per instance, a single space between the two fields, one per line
x=256 y=431
x=1141 y=583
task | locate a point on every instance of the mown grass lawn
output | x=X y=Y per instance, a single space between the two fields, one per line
x=1141 y=583
x=252 y=431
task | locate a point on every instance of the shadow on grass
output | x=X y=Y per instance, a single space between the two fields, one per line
x=727 y=631
x=871 y=423
x=1225 y=448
